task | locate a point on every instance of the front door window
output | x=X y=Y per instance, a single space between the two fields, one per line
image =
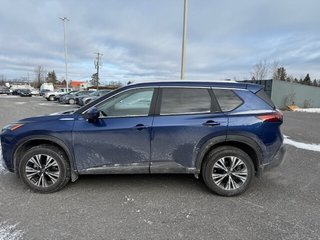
x=135 y=102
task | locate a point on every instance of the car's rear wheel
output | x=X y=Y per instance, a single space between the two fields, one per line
x=71 y=101
x=228 y=171
x=44 y=169
x=51 y=98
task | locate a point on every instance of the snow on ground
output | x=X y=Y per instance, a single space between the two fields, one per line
x=310 y=110
x=305 y=146
x=10 y=232
x=9 y=96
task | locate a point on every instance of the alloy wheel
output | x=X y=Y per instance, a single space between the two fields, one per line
x=42 y=170
x=229 y=173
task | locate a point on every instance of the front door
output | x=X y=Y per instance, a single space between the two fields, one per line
x=120 y=139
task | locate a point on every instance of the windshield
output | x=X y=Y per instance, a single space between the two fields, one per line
x=96 y=93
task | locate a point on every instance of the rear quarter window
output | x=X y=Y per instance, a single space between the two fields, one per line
x=227 y=99
x=262 y=94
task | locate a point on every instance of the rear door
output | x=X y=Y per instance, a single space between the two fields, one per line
x=185 y=119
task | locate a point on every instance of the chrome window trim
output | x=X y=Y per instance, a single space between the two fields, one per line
x=187 y=113
x=155 y=87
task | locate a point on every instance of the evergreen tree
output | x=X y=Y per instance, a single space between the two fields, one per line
x=307 y=80
x=94 y=79
x=51 y=78
x=280 y=73
x=315 y=83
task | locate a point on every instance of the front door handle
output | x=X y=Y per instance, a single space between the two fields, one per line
x=211 y=123
x=140 y=127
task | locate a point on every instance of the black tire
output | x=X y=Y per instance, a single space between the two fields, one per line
x=51 y=98
x=54 y=177
x=71 y=101
x=224 y=179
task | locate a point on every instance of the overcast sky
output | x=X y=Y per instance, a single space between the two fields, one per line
x=141 y=39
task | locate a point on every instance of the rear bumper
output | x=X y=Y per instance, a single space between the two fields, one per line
x=275 y=162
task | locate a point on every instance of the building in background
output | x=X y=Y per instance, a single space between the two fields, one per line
x=79 y=85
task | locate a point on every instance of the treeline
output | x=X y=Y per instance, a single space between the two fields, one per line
x=262 y=69
x=281 y=74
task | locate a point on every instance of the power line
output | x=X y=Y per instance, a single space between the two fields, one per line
x=97 y=64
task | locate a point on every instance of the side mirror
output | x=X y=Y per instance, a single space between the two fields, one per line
x=93 y=114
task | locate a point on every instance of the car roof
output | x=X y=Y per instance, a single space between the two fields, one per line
x=199 y=83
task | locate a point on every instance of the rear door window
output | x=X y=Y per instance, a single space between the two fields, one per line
x=185 y=101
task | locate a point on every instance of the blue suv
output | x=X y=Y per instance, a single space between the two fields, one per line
x=226 y=132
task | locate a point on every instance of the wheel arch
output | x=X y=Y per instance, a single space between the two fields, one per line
x=248 y=145
x=29 y=142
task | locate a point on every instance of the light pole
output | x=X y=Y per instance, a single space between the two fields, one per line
x=185 y=12
x=64 y=19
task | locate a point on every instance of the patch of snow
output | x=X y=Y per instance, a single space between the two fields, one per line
x=128 y=200
x=147 y=221
x=9 y=96
x=310 y=110
x=10 y=232
x=20 y=103
x=54 y=104
x=301 y=145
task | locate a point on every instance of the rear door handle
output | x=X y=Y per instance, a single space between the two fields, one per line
x=140 y=127
x=211 y=123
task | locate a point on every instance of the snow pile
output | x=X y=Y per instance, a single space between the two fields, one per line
x=10 y=232
x=310 y=110
x=305 y=146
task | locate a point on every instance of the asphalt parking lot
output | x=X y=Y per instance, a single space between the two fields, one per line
x=283 y=204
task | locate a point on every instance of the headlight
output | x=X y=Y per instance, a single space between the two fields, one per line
x=12 y=126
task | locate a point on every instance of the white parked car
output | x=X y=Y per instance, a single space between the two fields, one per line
x=35 y=92
x=50 y=96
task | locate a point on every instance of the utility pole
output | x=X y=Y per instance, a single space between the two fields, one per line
x=64 y=19
x=185 y=12
x=97 y=64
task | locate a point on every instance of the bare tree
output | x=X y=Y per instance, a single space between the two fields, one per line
x=115 y=84
x=260 y=70
x=275 y=66
x=40 y=75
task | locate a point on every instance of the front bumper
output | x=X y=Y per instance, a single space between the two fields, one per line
x=4 y=153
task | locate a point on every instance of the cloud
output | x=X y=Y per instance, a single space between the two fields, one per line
x=141 y=39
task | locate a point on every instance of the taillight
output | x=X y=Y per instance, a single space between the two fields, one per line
x=271 y=117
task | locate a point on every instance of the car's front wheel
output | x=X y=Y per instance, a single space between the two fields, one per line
x=228 y=171
x=44 y=168
x=71 y=101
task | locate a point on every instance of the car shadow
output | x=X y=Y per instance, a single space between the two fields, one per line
x=141 y=182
